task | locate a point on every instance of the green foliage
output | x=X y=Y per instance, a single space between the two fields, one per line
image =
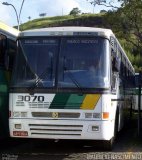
x=68 y=20
x=75 y=11
x=126 y=23
x=45 y=22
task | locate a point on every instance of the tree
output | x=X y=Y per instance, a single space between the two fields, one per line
x=75 y=11
x=29 y=18
x=131 y=23
x=42 y=14
x=110 y=3
x=103 y=11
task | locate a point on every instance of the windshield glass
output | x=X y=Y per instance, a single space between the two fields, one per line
x=35 y=63
x=83 y=63
x=73 y=62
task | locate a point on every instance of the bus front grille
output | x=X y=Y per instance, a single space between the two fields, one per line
x=56 y=130
x=59 y=115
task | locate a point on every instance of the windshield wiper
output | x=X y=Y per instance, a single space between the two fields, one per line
x=70 y=75
x=42 y=76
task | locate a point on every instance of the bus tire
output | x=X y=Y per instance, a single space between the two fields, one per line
x=108 y=144
x=116 y=123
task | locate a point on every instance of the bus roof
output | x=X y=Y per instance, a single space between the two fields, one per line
x=68 y=31
x=9 y=31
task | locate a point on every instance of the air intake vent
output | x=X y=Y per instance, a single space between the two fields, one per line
x=55 y=130
x=59 y=115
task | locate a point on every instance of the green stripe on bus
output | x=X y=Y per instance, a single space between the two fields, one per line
x=59 y=101
x=75 y=101
x=67 y=101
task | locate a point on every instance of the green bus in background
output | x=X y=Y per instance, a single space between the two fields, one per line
x=8 y=36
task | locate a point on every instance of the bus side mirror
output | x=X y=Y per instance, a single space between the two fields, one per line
x=116 y=64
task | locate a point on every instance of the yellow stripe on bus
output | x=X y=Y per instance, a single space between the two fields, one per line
x=8 y=29
x=90 y=101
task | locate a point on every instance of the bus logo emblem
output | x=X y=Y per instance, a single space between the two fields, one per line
x=55 y=115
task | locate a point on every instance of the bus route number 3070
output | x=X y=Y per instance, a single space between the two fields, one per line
x=33 y=98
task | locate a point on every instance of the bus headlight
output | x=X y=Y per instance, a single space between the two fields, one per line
x=96 y=115
x=23 y=114
x=18 y=126
x=16 y=114
x=93 y=115
x=88 y=115
x=95 y=128
x=19 y=114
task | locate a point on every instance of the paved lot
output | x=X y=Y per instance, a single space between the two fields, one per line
x=32 y=149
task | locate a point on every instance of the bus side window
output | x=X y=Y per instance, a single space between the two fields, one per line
x=3 y=47
x=113 y=78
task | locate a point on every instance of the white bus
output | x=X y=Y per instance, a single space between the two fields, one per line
x=8 y=49
x=70 y=83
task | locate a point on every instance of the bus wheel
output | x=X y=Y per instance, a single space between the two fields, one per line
x=108 y=145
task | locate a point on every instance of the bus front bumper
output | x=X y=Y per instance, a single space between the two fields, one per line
x=62 y=129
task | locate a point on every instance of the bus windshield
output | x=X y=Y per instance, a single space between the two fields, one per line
x=66 y=62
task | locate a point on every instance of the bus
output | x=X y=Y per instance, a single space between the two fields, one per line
x=70 y=83
x=7 y=52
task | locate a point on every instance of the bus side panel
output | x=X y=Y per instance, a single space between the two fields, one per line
x=4 y=131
